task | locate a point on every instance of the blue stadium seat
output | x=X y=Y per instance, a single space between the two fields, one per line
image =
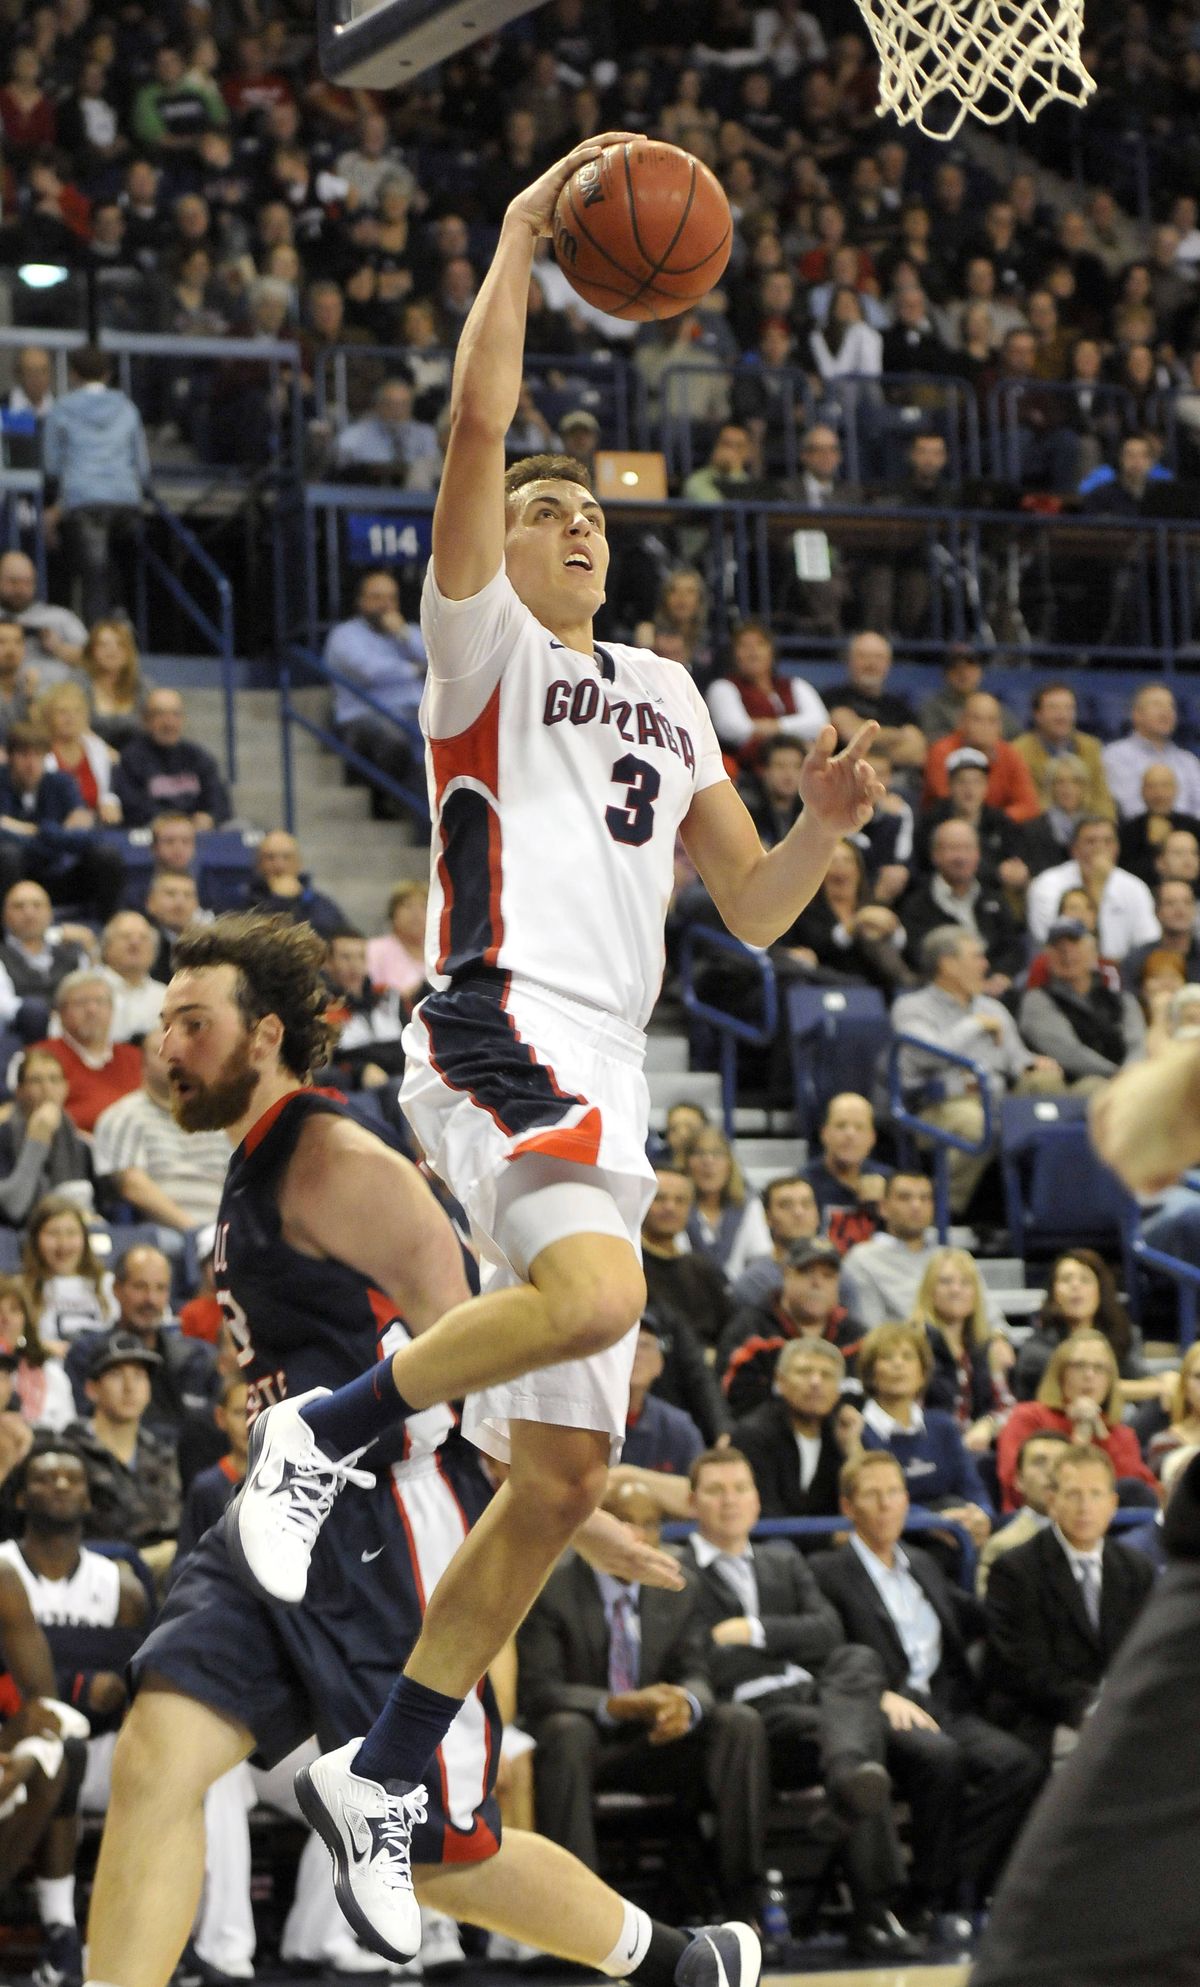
x=836 y=1036
x=1057 y=1192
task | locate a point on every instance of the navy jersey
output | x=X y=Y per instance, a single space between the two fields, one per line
x=298 y=1321
x=327 y=1666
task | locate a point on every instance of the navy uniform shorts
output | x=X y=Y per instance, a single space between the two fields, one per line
x=326 y=1667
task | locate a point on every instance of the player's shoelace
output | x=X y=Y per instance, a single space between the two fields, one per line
x=308 y=1490
x=403 y=1813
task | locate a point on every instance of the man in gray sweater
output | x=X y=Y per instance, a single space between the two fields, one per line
x=1089 y=1028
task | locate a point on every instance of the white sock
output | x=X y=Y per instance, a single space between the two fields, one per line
x=628 y=1953
x=56 y=1900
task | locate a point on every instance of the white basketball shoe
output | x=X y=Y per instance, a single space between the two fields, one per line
x=275 y=1520
x=367 y=1827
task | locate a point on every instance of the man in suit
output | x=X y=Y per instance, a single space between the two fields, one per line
x=1059 y=1607
x=792 y=1440
x=969 y=1786
x=777 y=1644
x=615 y=1687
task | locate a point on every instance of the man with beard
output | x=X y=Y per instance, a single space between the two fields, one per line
x=317 y=1287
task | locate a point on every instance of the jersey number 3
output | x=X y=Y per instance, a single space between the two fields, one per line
x=633 y=821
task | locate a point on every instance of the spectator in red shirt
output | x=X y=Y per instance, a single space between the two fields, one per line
x=98 y=1070
x=1010 y=784
x=27 y=113
x=253 y=88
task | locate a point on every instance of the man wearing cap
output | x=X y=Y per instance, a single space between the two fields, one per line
x=954 y=894
x=797 y=1440
x=1088 y=1028
x=133 y=1477
x=1126 y=908
x=1052 y=733
x=1002 y=861
x=184 y=1382
x=807 y=1308
x=962 y=675
x=657 y=1435
x=579 y=432
x=1010 y=786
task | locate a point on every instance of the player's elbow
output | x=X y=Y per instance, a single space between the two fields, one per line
x=475 y=418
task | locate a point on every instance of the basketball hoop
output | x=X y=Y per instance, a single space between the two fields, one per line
x=988 y=57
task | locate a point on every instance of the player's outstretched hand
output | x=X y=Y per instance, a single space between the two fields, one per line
x=1146 y=1122
x=841 y=789
x=613 y=1547
x=536 y=205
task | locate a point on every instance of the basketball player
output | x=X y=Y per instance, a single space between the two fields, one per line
x=561 y=771
x=303 y=1260
x=1101 y=1889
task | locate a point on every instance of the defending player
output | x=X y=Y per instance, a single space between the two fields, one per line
x=560 y=773
x=311 y=1281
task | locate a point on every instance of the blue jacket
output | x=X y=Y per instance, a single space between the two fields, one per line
x=55 y=796
x=94 y=443
x=662 y=1438
x=937 y=1468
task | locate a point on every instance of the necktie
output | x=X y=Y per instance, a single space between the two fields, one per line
x=1090 y=1580
x=623 y=1647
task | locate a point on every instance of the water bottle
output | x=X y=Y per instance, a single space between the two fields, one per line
x=776 y=1927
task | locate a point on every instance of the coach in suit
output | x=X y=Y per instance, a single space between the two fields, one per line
x=1100 y=1894
x=615 y=1687
x=791 y=1441
x=776 y=1643
x=1059 y=1607
x=968 y=1785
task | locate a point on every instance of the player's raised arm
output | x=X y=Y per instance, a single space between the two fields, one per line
x=760 y=893
x=468 y=519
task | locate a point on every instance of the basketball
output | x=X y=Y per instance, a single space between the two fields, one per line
x=644 y=231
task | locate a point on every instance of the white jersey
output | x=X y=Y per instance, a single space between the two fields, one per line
x=90 y=1598
x=557 y=785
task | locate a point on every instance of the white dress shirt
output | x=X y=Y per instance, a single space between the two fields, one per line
x=1127 y=917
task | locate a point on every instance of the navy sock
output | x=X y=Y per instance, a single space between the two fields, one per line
x=357 y=1413
x=407 y=1732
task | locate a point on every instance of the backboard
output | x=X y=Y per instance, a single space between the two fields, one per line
x=379 y=44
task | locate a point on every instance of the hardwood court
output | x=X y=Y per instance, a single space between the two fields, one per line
x=888 y=1976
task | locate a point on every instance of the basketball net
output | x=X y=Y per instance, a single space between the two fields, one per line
x=989 y=57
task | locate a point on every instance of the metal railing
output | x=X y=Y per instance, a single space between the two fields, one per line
x=295 y=659
x=907 y=1118
x=215 y=626
x=731 y=1029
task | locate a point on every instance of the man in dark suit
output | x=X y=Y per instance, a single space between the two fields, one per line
x=791 y=1440
x=1059 y=1607
x=969 y=1786
x=1099 y=1892
x=953 y=893
x=615 y=1687
x=777 y=1644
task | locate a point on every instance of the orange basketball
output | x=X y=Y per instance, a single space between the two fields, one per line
x=643 y=231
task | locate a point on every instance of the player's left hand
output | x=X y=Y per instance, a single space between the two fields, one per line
x=610 y=1546
x=841 y=789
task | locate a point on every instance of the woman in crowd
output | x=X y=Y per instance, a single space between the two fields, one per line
x=1080 y=1396
x=110 y=658
x=69 y=1291
x=753 y=703
x=727 y=1222
x=971 y=1363
x=396 y=959
x=681 y=610
x=843 y=933
x=1184 y=1427
x=1082 y=1297
x=895 y=1363
x=42 y=1386
x=76 y=749
x=846 y=345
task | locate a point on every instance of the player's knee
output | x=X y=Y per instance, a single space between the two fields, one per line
x=594 y=1310
x=566 y=1498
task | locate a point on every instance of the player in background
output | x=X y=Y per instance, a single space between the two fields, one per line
x=1101 y=1890
x=311 y=1280
x=560 y=770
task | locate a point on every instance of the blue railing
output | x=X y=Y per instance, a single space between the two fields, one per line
x=943 y=1140
x=294 y=659
x=918 y=1520
x=731 y=1029
x=215 y=626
